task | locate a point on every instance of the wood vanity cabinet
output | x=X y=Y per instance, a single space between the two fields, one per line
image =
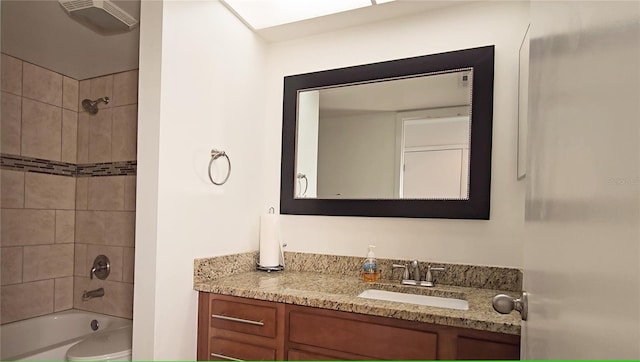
x=232 y=328
x=303 y=333
x=314 y=333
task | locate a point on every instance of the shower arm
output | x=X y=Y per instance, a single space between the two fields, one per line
x=104 y=100
x=92 y=106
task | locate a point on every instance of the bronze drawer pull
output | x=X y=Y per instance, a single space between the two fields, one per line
x=225 y=357
x=239 y=320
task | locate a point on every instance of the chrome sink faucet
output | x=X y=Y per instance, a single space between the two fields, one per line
x=415 y=278
x=416 y=270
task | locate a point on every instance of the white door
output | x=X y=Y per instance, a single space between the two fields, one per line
x=433 y=174
x=582 y=233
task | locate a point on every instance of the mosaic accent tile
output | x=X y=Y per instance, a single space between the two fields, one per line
x=30 y=164
x=121 y=168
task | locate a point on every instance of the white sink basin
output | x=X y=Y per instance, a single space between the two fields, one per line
x=427 y=300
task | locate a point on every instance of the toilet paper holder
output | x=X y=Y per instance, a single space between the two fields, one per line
x=269 y=269
x=264 y=221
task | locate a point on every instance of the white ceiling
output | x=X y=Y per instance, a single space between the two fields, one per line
x=42 y=33
x=260 y=14
x=354 y=17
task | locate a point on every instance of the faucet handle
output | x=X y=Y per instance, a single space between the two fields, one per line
x=405 y=273
x=435 y=268
x=101 y=267
x=428 y=276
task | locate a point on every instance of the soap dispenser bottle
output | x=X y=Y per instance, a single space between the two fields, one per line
x=370 y=272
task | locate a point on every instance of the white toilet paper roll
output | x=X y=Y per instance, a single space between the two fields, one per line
x=269 y=240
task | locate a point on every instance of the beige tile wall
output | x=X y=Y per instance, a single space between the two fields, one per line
x=105 y=206
x=38 y=118
x=111 y=134
x=51 y=227
x=105 y=226
x=36 y=235
x=37 y=221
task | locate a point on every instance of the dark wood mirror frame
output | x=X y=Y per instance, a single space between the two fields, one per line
x=475 y=207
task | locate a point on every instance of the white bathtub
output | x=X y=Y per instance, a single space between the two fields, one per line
x=50 y=336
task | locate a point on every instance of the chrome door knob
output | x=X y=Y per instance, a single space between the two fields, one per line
x=505 y=304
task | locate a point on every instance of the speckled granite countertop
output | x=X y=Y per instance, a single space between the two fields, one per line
x=339 y=292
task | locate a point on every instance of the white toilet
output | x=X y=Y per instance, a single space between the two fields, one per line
x=114 y=345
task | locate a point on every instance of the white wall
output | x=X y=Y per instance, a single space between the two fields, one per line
x=493 y=242
x=202 y=77
x=356 y=156
x=211 y=97
x=307 y=145
x=149 y=84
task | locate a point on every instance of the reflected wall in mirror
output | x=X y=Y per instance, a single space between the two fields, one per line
x=415 y=129
x=408 y=137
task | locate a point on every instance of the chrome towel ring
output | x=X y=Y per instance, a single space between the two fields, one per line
x=215 y=154
x=301 y=177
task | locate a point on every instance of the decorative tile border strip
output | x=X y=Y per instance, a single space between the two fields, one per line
x=121 y=168
x=30 y=164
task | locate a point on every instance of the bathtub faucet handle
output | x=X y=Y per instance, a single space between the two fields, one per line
x=101 y=267
x=97 y=269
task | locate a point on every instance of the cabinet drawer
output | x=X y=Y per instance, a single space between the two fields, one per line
x=223 y=349
x=238 y=316
x=359 y=337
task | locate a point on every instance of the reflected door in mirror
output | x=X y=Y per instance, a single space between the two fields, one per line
x=435 y=163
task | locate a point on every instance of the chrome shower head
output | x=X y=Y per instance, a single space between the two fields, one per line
x=92 y=106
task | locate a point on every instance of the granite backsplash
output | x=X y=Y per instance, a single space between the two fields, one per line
x=462 y=275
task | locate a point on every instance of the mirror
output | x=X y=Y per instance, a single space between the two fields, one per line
x=406 y=138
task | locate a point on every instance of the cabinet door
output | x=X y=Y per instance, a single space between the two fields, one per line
x=297 y=355
x=333 y=332
x=239 y=328
x=478 y=349
x=319 y=354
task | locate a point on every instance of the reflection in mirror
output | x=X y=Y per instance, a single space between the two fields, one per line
x=400 y=138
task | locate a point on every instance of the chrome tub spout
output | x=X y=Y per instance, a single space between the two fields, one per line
x=93 y=294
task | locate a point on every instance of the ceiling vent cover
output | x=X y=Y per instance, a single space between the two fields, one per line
x=101 y=15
